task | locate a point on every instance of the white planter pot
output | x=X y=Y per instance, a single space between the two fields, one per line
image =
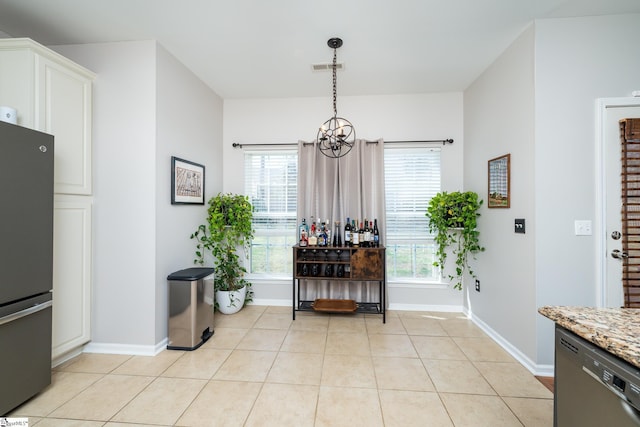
x=230 y=302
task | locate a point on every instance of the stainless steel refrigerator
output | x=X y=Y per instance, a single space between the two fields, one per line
x=26 y=263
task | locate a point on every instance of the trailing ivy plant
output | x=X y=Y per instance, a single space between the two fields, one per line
x=453 y=221
x=228 y=228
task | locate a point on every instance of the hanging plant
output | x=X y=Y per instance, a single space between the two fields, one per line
x=228 y=228
x=453 y=221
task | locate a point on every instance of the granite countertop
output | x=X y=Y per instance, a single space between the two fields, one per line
x=616 y=330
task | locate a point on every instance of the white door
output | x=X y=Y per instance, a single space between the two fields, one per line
x=611 y=111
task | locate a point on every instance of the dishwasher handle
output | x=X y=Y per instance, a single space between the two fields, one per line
x=633 y=413
x=26 y=312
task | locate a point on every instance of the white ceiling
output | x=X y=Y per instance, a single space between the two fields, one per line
x=265 y=48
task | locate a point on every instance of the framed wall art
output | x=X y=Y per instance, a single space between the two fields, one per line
x=187 y=182
x=499 y=182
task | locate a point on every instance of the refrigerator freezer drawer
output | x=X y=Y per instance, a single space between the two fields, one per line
x=25 y=359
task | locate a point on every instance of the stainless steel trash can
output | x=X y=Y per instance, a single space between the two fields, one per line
x=190 y=308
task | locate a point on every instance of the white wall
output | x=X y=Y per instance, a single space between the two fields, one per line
x=124 y=188
x=499 y=120
x=147 y=107
x=577 y=62
x=538 y=102
x=189 y=126
x=399 y=117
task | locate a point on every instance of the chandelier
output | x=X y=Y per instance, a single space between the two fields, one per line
x=337 y=135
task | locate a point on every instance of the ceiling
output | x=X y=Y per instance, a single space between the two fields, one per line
x=262 y=48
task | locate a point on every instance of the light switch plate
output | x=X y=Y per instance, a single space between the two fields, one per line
x=583 y=227
x=518 y=226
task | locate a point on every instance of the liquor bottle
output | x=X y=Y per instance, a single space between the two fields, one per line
x=322 y=236
x=376 y=233
x=303 y=236
x=361 y=238
x=327 y=231
x=355 y=234
x=367 y=234
x=347 y=233
x=337 y=235
x=318 y=231
x=328 y=270
x=372 y=244
x=313 y=238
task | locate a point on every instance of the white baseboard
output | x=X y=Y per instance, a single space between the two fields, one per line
x=130 y=349
x=66 y=356
x=274 y=302
x=535 y=369
x=398 y=307
x=426 y=307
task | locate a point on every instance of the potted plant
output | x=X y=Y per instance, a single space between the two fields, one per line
x=227 y=230
x=453 y=220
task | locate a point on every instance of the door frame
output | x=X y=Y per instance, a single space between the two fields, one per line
x=602 y=104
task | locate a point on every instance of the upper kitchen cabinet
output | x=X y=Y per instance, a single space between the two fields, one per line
x=51 y=94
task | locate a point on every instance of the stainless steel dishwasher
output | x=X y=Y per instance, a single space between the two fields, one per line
x=593 y=388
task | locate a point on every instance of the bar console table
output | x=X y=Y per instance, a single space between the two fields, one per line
x=336 y=265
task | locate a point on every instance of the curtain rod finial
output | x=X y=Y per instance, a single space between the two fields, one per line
x=236 y=145
x=447 y=141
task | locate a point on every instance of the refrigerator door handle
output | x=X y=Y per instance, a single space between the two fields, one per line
x=26 y=312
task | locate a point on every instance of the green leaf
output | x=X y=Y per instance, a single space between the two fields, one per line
x=227 y=230
x=446 y=211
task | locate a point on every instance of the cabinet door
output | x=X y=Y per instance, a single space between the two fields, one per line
x=367 y=264
x=71 y=273
x=64 y=110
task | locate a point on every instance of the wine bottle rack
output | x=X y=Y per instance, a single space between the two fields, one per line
x=339 y=264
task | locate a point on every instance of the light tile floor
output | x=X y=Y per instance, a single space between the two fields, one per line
x=261 y=368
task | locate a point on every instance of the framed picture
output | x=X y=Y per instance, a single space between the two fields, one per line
x=499 y=182
x=187 y=182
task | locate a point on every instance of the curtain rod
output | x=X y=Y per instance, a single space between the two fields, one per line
x=444 y=141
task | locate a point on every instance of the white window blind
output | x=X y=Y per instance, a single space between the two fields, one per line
x=271 y=184
x=412 y=178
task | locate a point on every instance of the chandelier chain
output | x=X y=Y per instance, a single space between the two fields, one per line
x=337 y=135
x=335 y=80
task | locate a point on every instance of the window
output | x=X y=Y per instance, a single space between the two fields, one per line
x=412 y=177
x=271 y=182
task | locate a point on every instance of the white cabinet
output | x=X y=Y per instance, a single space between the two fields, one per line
x=51 y=94
x=71 y=273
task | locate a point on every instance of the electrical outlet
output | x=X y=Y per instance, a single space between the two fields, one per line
x=477 y=285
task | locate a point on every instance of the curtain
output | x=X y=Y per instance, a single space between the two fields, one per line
x=334 y=189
